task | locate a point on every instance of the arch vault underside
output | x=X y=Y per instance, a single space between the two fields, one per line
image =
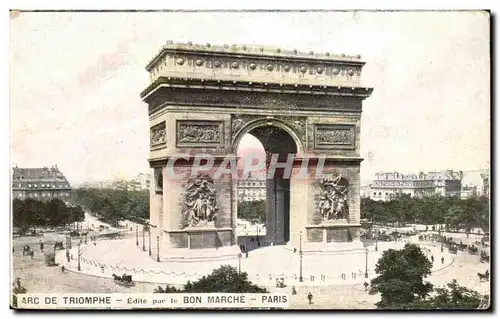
x=204 y=99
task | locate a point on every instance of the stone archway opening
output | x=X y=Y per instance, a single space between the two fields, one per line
x=279 y=143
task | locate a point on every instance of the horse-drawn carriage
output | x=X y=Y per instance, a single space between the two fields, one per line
x=125 y=280
x=27 y=250
x=484 y=257
x=485 y=276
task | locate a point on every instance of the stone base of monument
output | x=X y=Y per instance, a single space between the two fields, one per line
x=333 y=236
x=200 y=243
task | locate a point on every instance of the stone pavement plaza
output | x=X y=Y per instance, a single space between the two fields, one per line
x=38 y=278
x=264 y=265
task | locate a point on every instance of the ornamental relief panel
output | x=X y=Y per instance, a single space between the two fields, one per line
x=334 y=136
x=332 y=203
x=199 y=133
x=158 y=135
x=200 y=203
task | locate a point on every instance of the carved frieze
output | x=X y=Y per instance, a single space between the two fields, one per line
x=333 y=201
x=334 y=136
x=256 y=100
x=200 y=203
x=199 y=133
x=158 y=135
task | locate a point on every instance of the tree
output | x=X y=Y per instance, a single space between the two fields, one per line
x=31 y=212
x=113 y=205
x=252 y=210
x=400 y=279
x=453 y=297
x=224 y=279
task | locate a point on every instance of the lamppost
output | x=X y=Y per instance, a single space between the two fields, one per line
x=239 y=262
x=143 y=242
x=442 y=243
x=137 y=235
x=300 y=254
x=246 y=245
x=258 y=225
x=86 y=235
x=366 y=263
x=376 y=241
x=79 y=255
x=158 y=248
x=149 y=234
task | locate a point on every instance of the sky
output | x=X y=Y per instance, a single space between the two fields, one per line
x=75 y=80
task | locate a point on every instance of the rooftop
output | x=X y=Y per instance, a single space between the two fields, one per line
x=39 y=173
x=252 y=50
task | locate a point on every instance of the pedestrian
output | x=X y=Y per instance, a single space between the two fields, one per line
x=32 y=254
x=62 y=268
x=294 y=291
x=310 y=297
x=294 y=250
x=432 y=258
x=442 y=260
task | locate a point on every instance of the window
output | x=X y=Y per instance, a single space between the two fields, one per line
x=36 y=186
x=29 y=185
x=380 y=193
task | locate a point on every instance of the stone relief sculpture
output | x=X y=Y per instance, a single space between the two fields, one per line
x=333 y=201
x=199 y=133
x=200 y=206
x=158 y=134
x=335 y=136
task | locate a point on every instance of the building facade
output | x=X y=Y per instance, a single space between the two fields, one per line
x=140 y=182
x=388 y=185
x=468 y=191
x=251 y=190
x=485 y=177
x=40 y=183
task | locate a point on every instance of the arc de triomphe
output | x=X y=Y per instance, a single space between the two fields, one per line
x=204 y=98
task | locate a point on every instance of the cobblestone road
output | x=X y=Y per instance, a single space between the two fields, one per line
x=38 y=278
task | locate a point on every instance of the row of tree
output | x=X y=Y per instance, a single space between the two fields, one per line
x=456 y=213
x=225 y=279
x=30 y=212
x=401 y=284
x=113 y=205
x=252 y=210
